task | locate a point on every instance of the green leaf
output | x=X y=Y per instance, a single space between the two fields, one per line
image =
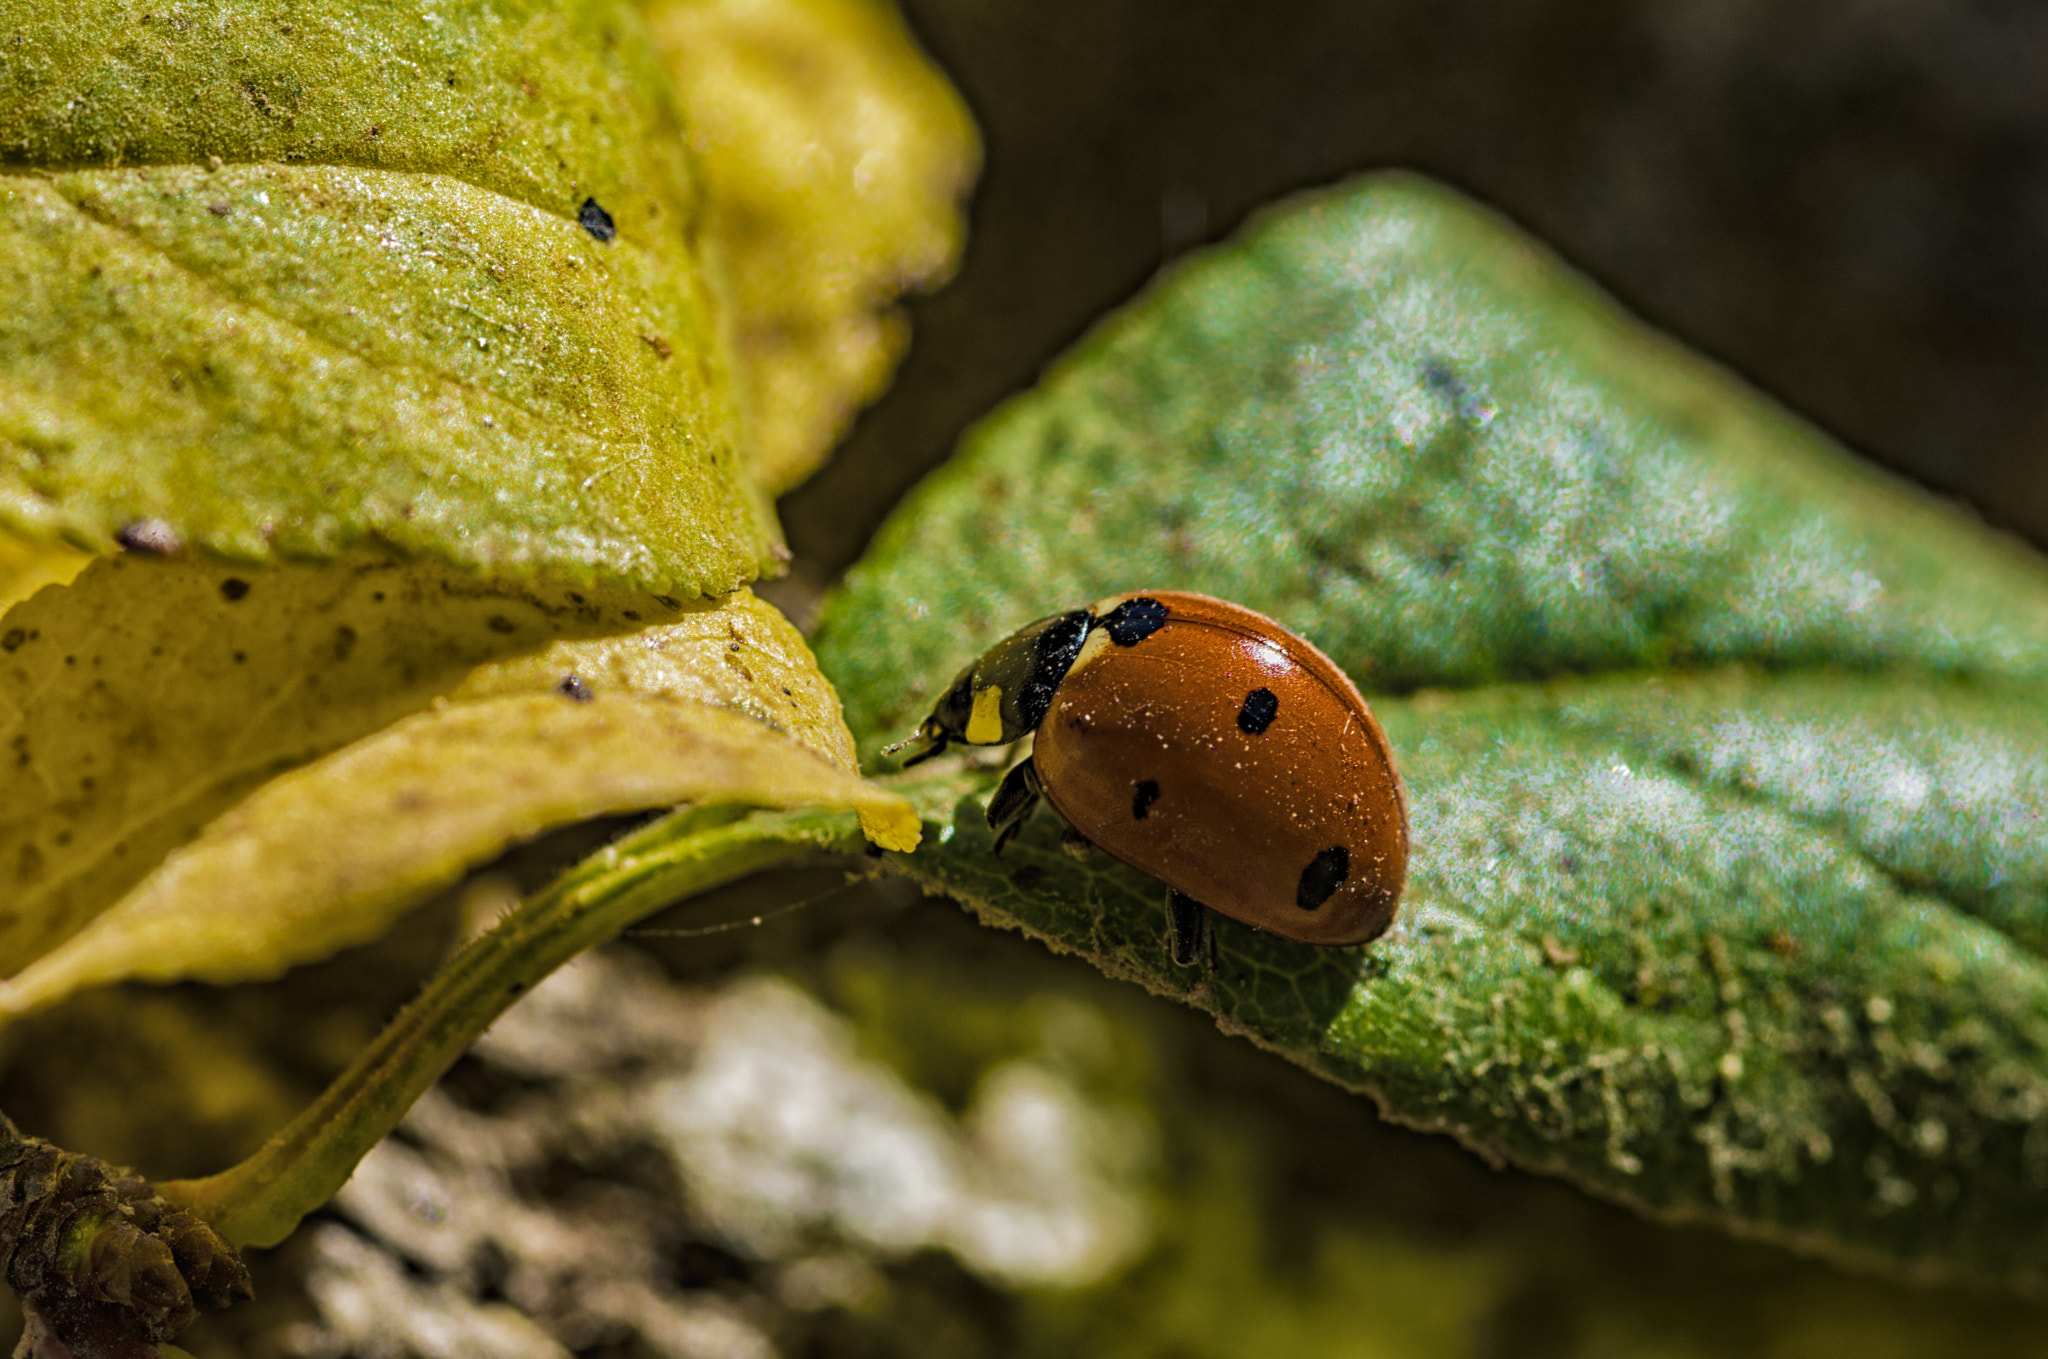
x=1725 y=754
x=147 y=698
x=298 y=283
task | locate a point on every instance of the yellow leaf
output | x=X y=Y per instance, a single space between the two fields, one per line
x=326 y=856
x=148 y=697
x=26 y=566
x=348 y=278
x=835 y=156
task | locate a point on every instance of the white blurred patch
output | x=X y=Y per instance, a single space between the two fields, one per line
x=785 y=1132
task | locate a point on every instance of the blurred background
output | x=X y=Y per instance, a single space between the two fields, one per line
x=1847 y=204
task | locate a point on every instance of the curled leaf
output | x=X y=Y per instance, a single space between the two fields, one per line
x=148 y=697
x=326 y=856
x=1723 y=752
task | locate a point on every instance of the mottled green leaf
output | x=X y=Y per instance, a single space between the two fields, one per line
x=148 y=697
x=1725 y=754
x=296 y=281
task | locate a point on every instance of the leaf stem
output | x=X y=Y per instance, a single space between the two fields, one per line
x=259 y=1201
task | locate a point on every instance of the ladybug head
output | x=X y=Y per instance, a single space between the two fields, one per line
x=1002 y=696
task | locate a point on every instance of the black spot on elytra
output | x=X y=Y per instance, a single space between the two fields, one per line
x=234 y=589
x=1142 y=798
x=1132 y=621
x=596 y=221
x=573 y=687
x=1256 y=715
x=1322 y=877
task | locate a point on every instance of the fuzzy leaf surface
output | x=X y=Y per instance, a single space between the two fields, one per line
x=1724 y=753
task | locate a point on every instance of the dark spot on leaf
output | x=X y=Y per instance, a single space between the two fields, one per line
x=1027 y=877
x=575 y=688
x=234 y=588
x=220 y=209
x=1258 y=711
x=1132 y=621
x=499 y=623
x=1142 y=798
x=1322 y=877
x=596 y=221
x=13 y=639
x=1444 y=382
x=344 y=642
x=241 y=656
x=151 y=537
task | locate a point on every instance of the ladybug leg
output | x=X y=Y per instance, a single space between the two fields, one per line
x=1077 y=845
x=1190 y=930
x=1015 y=800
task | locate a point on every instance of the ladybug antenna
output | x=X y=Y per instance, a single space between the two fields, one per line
x=935 y=742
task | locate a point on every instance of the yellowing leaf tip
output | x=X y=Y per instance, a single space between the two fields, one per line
x=892 y=824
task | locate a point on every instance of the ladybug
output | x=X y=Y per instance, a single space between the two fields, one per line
x=1202 y=744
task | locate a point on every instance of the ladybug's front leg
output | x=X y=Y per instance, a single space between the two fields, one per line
x=1015 y=800
x=1190 y=930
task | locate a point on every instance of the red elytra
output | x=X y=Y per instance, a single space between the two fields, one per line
x=1234 y=762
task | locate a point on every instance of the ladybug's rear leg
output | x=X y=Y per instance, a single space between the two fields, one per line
x=1077 y=845
x=1015 y=800
x=1190 y=930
